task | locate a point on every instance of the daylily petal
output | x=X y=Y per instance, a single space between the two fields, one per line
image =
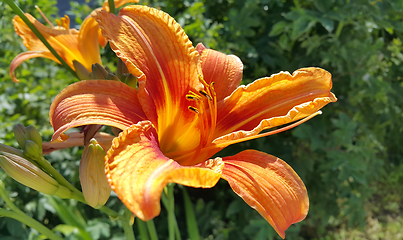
x=268 y=185
x=88 y=43
x=103 y=102
x=224 y=70
x=156 y=49
x=22 y=57
x=77 y=139
x=138 y=171
x=277 y=100
x=64 y=41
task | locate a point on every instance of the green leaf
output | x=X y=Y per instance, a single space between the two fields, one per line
x=278 y=28
x=328 y=24
x=300 y=26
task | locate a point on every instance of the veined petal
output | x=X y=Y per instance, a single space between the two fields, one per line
x=224 y=70
x=156 y=49
x=138 y=171
x=101 y=102
x=268 y=185
x=273 y=101
x=63 y=41
x=22 y=57
x=89 y=43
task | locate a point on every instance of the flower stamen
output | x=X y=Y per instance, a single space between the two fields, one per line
x=44 y=17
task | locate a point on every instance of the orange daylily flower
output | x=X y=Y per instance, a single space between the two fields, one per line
x=70 y=44
x=188 y=107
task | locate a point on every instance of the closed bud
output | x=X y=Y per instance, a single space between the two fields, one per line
x=28 y=174
x=98 y=72
x=81 y=71
x=122 y=69
x=92 y=175
x=7 y=149
x=19 y=133
x=32 y=150
x=131 y=81
x=31 y=133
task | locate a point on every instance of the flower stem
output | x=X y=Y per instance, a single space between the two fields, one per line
x=191 y=222
x=127 y=225
x=17 y=10
x=59 y=178
x=20 y=216
x=112 y=6
x=151 y=230
x=142 y=227
x=169 y=203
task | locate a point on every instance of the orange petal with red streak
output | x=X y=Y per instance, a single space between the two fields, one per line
x=273 y=101
x=138 y=171
x=22 y=57
x=269 y=185
x=103 y=102
x=156 y=49
x=224 y=70
x=89 y=43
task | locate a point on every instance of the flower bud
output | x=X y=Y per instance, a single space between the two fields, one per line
x=92 y=175
x=32 y=150
x=31 y=133
x=28 y=174
x=7 y=149
x=81 y=71
x=19 y=133
x=98 y=72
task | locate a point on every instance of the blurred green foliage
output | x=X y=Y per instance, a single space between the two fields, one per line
x=349 y=157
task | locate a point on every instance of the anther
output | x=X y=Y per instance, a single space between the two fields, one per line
x=193 y=109
x=205 y=94
x=192 y=97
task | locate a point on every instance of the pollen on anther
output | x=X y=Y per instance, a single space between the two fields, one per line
x=205 y=95
x=193 y=109
x=192 y=97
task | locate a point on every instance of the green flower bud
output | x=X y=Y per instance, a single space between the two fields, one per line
x=98 y=72
x=131 y=81
x=62 y=192
x=94 y=185
x=31 y=133
x=81 y=71
x=28 y=174
x=7 y=149
x=32 y=150
x=19 y=133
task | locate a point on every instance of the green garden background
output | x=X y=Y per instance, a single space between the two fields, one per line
x=350 y=157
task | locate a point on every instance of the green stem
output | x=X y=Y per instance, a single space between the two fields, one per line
x=32 y=223
x=112 y=6
x=151 y=230
x=80 y=197
x=142 y=227
x=109 y=212
x=173 y=229
x=127 y=226
x=20 y=216
x=59 y=178
x=191 y=222
x=339 y=28
x=17 y=10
